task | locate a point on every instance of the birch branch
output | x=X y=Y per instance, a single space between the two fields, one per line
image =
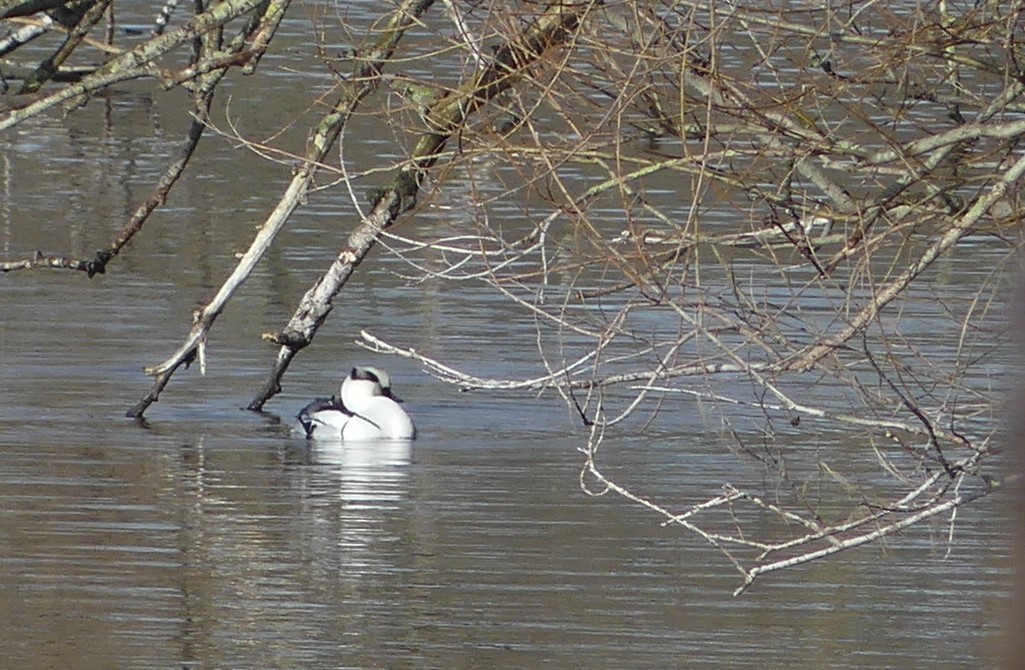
x=135 y=63
x=805 y=359
x=859 y=540
x=445 y=117
x=326 y=134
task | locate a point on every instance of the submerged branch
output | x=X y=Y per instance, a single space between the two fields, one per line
x=327 y=133
x=446 y=117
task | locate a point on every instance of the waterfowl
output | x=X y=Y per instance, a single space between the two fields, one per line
x=366 y=409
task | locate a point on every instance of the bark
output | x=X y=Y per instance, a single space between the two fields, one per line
x=447 y=115
x=135 y=63
x=324 y=139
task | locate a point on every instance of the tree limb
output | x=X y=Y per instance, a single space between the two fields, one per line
x=445 y=117
x=324 y=138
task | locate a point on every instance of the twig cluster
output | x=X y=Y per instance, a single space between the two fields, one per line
x=719 y=203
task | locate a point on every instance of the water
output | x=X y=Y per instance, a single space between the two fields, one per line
x=236 y=547
x=207 y=537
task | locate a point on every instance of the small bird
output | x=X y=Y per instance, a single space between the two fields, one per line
x=366 y=410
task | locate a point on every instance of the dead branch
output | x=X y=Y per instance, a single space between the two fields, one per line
x=327 y=133
x=445 y=117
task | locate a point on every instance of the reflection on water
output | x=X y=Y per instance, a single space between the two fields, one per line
x=374 y=460
x=211 y=539
x=241 y=547
x=370 y=479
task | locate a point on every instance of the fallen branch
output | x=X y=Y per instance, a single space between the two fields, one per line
x=445 y=118
x=858 y=540
x=135 y=63
x=326 y=134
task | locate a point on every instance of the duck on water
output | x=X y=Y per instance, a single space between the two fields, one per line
x=366 y=409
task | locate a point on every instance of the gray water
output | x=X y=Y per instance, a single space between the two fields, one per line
x=207 y=537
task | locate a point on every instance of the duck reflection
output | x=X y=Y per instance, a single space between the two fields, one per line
x=369 y=472
x=353 y=524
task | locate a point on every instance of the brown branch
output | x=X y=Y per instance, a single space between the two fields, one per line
x=203 y=96
x=163 y=188
x=555 y=26
x=98 y=263
x=809 y=356
x=328 y=130
x=135 y=63
x=48 y=68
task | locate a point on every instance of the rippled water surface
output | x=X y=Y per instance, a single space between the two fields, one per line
x=210 y=538
x=207 y=537
x=235 y=547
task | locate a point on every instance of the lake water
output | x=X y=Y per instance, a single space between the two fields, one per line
x=207 y=537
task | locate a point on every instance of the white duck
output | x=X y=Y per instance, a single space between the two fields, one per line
x=367 y=410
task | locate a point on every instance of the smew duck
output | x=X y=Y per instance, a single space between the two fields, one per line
x=366 y=409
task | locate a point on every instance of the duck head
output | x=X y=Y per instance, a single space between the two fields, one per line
x=365 y=382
